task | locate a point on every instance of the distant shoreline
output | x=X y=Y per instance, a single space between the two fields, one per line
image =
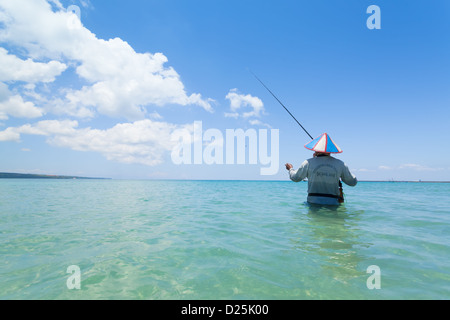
x=6 y=175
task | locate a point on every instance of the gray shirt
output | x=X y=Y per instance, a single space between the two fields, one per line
x=323 y=175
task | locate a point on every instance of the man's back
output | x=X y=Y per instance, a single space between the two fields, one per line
x=323 y=175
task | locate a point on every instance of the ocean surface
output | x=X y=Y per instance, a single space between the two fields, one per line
x=221 y=240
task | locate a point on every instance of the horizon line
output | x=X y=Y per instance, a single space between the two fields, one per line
x=200 y=180
x=55 y=176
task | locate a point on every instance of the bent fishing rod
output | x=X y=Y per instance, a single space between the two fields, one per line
x=281 y=104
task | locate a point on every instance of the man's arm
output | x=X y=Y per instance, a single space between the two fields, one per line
x=300 y=174
x=348 y=177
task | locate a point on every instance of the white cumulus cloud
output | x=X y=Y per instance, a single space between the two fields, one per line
x=246 y=106
x=14 y=105
x=16 y=69
x=143 y=142
x=52 y=65
x=118 y=81
x=253 y=106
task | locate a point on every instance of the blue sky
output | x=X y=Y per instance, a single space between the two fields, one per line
x=101 y=98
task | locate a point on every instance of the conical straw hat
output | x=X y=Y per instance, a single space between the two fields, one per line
x=324 y=144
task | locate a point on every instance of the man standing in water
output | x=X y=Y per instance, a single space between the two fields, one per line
x=323 y=172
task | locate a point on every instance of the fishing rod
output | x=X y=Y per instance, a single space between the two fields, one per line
x=281 y=104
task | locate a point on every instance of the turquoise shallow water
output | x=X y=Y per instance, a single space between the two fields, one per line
x=221 y=240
